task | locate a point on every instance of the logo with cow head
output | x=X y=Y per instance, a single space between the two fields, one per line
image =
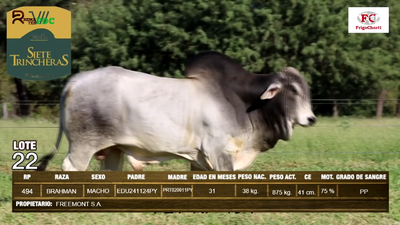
x=368 y=18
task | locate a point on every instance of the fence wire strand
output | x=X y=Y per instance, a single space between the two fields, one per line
x=313 y=100
x=320 y=126
x=280 y=152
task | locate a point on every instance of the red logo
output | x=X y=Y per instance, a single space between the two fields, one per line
x=368 y=18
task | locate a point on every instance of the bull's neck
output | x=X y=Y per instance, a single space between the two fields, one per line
x=277 y=123
x=272 y=116
x=269 y=129
x=269 y=121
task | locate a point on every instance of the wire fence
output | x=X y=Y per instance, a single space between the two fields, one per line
x=352 y=101
x=283 y=152
x=316 y=103
x=318 y=126
x=338 y=100
x=355 y=103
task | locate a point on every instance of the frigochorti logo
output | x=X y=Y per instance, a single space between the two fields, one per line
x=368 y=18
x=42 y=51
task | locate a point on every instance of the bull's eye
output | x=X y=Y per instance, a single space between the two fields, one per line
x=293 y=90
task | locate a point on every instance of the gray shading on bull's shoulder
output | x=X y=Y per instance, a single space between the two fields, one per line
x=219 y=117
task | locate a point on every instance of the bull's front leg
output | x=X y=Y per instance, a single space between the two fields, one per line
x=222 y=161
x=195 y=167
x=215 y=151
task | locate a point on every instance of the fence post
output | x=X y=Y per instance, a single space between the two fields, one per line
x=380 y=104
x=5 y=110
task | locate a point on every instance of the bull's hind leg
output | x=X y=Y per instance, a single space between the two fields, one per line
x=78 y=158
x=113 y=159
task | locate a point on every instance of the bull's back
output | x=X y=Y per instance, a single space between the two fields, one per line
x=131 y=108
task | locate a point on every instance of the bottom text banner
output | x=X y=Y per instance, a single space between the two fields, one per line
x=200 y=191
x=199 y=205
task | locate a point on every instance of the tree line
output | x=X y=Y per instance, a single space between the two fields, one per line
x=349 y=74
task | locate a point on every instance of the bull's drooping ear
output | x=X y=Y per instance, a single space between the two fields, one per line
x=272 y=90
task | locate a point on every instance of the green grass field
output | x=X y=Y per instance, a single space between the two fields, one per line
x=332 y=145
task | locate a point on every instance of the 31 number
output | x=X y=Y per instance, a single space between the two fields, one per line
x=211 y=190
x=22 y=157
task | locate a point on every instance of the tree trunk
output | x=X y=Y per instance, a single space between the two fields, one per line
x=335 y=109
x=22 y=94
x=398 y=108
x=381 y=101
x=5 y=110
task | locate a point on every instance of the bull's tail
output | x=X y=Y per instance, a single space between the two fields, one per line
x=44 y=161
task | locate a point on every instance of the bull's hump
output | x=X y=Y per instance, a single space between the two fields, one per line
x=291 y=70
x=213 y=65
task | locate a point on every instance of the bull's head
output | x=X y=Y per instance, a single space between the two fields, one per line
x=285 y=102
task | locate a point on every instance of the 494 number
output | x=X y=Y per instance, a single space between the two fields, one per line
x=27 y=191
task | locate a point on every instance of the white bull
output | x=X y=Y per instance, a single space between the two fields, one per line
x=220 y=117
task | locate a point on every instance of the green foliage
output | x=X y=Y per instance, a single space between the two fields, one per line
x=5 y=80
x=50 y=113
x=157 y=37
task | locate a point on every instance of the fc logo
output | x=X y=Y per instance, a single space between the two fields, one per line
x=368 y=18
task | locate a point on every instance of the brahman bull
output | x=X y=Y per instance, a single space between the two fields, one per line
x=219 y=117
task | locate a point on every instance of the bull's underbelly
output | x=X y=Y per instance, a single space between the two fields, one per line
x=144 y=153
